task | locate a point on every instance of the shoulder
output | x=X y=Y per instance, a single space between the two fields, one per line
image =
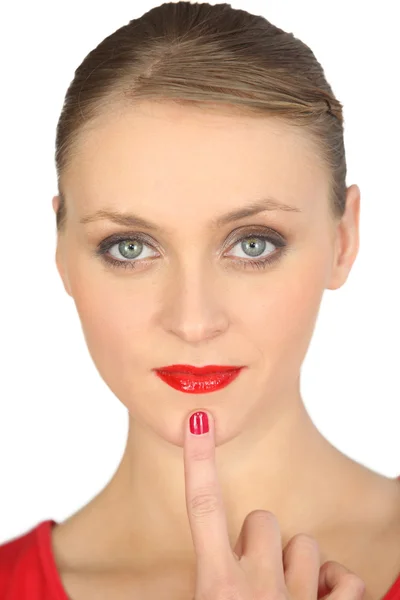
x=21 y=560
x=394 y=591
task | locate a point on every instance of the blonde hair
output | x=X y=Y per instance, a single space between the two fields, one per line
x=198 y=54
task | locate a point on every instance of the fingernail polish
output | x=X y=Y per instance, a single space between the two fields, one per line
x=198 y=423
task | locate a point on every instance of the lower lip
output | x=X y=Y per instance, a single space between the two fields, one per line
x=198 y=384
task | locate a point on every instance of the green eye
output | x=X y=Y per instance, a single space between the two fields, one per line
x=132 y=247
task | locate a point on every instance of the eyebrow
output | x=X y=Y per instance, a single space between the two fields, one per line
x=132 y=220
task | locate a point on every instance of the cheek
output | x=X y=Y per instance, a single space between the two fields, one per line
x=115 y=325
x=114 y=316
x=282 y=320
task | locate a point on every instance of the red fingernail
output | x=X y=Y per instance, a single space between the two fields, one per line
x=198 y=423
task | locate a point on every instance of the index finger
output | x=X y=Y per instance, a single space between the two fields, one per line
x=203 y=495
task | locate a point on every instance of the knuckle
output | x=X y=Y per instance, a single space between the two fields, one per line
x=354 y=581
x=303 y=545
x=228 y=592
x=199 y=454
x=224 y=588
x=262 y=514
x=203 y=503
x=304 y=539
x=274 y=594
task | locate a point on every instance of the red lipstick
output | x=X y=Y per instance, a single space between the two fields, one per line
x=198 y=380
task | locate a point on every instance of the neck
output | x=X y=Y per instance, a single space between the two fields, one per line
x=271 y=464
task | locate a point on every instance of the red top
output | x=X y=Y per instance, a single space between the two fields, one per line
x=28 y=569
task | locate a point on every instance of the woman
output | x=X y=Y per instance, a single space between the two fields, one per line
x=192 y=234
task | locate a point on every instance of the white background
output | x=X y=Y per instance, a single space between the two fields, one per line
x=62 y=431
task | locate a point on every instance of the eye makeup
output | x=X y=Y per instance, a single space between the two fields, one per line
x=256 y=234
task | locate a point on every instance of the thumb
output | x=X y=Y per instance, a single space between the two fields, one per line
x=248 y=532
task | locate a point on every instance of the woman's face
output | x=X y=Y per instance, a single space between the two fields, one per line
x=195 y=294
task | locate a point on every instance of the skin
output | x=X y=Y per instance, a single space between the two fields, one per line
x=180 y=168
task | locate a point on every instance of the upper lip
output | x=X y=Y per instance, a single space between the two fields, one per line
x=206 y=370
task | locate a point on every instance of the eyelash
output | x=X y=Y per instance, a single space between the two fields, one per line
x=108 y=243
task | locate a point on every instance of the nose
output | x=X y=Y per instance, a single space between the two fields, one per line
x=195 y=307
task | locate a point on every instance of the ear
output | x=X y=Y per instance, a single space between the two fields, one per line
x=347 y=240
x=60 y=251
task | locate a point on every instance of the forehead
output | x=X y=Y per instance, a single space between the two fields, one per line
x=182 y=157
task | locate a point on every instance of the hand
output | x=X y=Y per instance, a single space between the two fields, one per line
x=257 y=568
